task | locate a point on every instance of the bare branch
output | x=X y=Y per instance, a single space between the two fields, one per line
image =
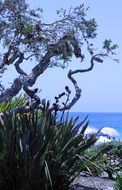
x=77 y=93
x=55 y=50
x=12 y=91
x=10 y=56
x=32 y=94
x=68 y=18
x=17 y=64
x=24 y=34
x=29 y=80
x=77 y=89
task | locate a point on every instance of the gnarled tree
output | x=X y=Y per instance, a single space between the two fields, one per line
x=24 y=36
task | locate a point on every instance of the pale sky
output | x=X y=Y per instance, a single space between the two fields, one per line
x=101 y=88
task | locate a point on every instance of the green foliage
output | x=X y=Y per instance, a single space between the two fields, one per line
x=91 y=28
x=108 y=158
x=12 y=104
x=109 y=46
x=39 y=152
x=23 y=28
x=94 y=165
x=118 y=185
x=28 y=29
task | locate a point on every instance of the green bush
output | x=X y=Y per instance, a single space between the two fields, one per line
x=108 y=158
x=118 y=185
x=94 y=165
x=39 y=152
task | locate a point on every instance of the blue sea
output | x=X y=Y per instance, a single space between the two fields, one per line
x=100 y=120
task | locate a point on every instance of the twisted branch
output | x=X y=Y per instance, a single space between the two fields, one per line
x=18 y=62
x=12 y=91
x=27 y=81
x=77 y=89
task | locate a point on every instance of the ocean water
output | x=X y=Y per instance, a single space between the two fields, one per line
x=100 y=120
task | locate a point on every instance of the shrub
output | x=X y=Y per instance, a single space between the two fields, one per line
x=108 y=158
x=38 y=151
x=118 y=185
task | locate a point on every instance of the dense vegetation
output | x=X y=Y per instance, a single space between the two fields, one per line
x=38 y=151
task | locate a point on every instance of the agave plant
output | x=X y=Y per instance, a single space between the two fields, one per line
x=39 y=151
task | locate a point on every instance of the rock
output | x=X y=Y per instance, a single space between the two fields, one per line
x=92 y=183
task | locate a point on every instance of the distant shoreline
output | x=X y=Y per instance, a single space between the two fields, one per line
x=99 y=120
